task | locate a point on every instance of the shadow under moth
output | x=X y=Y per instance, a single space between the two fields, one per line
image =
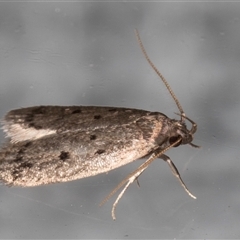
x=50 y=144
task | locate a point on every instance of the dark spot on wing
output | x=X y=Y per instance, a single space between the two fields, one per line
x=100 y=151
x=21 y=151
x=113 y=110
x=27 y=144
x=37 y=127
x=97 y=116
x=18 y=159
x=64 y=156
x=26 y=165
x=18 y=172
x=29 y=118
x=76 y=111
x=93 y=137
x=39 y=110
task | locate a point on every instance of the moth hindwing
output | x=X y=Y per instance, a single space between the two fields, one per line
x=50 y=144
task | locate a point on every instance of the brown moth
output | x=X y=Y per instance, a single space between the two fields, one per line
x=50 y=144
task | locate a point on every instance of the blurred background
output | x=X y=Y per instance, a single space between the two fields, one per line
x=83 y=53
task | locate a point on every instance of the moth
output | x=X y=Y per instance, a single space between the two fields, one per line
x=52 y=144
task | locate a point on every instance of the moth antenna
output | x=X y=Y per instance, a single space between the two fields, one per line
x=160 y=75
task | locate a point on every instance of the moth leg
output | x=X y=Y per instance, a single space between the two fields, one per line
x=130 y=181
x=138 y=182
x=176 y=173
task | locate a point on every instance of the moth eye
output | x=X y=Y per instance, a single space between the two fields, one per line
x=174 y=139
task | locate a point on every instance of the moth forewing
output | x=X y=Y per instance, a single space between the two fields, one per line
x=49 y=144
x=84 y=151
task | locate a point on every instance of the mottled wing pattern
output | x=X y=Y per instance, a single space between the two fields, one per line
x=36 y=122
x=76 y=153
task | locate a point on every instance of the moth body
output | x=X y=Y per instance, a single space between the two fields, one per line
x=50 y=144
x=103 y=138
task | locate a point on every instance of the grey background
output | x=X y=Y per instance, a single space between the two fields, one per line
x=87 y=54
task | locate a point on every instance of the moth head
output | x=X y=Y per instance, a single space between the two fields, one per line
x=182 y=134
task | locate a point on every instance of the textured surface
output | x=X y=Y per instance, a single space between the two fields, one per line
x=80 y=142
x=87 y=54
